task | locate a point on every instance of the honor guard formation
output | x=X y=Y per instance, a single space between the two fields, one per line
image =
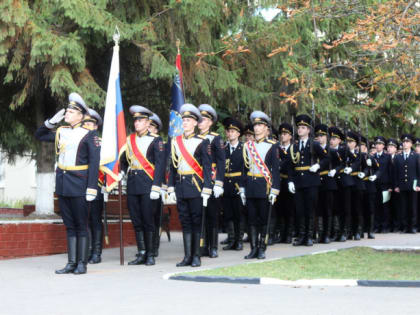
x=301 y=184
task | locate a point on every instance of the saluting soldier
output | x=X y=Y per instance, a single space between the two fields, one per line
x=308 y=157
x=76 y=182
x=145 y=166
x=384 y=183
x=234 y=176
x=406 y=182
x=218 y=163
x=262 y=185
x=92 y=120
x=285 y=205
x=189 y=182
x=155 y=127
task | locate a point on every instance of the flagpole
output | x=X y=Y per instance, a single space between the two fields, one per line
x=116 y=38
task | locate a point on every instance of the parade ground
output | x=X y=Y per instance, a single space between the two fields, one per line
x=30 y=286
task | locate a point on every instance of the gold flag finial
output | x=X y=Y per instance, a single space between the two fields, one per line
x=178 y=43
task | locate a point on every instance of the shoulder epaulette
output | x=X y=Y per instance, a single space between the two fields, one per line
x=88 y=128
x=201 y=136
x=271 y=141
x=214 y=133
x=154 y=135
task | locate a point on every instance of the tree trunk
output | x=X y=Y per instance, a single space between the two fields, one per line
x=45 y=161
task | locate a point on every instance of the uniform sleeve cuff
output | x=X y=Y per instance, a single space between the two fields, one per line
x=171 y=190
x=164 y=187
x=49 y=125
x=218 y=183
x=91 y=191
x=155 y=188
x=207 y=191
x=275 y=191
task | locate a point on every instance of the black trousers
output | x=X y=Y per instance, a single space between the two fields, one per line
x=357 y=210
x=142 y=211
x=212 y=213
x=96 y=208
x=257 y=211
x=408 y=209
x=74 y=211
x=157 y=213
x=369 y=210
x=190 y=212
x=324 y=209
x=232 y=209
x=285 y=211
x=306 y=200
x=382 y=215
x=344 y=214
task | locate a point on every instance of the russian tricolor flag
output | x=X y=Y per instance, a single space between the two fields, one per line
x=113 y=133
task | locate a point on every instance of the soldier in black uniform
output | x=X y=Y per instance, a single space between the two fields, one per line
x=346 y=182
x=392 y=146
x=145 y=167
x=285 y=205
x=218 y=164
x=76 y=183
x=234 y=176
x=406 y=182
x=189 y=182
x=262 y=184
x=92 y=121
x=328 y=186
x=155 y=127
x=308 y=157
x=384 y=183
x=372 y=172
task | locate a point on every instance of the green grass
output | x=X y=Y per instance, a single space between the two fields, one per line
x=356 y=263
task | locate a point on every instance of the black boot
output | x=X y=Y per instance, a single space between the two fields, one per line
x=327 y=231
x=230 y=240
x=229 y=231
x=300 y=240
x=150 y=258
x=238 y=237
x=262 y=246
x=156 y=243
x=141 y=248
x=371 y=235
x=253 y=242
x=204 y=250
x=213 y=240
x=95 y=258
x=82 y=254
x=196 y=261
x=71 y=260
x=187 y=237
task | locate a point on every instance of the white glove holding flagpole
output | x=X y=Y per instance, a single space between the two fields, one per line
x=292 y=188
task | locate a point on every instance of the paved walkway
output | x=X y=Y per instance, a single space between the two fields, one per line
x=29 y=286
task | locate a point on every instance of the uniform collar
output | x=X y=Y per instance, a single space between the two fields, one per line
x=143 y=134
x=261 y=140
x=188 y=137
x=76 y=125
x=205 y=133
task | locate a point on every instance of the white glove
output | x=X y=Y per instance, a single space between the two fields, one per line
x=369 y=162
x=272 y=198
x=361 y=175
x=242 y=195
x=332 y=173
x=217 y=191
x=90 y=197
x=59 y=116
x=121 y=175
x=415 y=186
x=372 y=178
x=205 y=199
x=292 y=187
x=106 y=195
x=154 y=195
x=348 y=170
x=314 y=168
x=172 y=198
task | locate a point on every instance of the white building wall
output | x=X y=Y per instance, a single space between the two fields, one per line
x=17 y=181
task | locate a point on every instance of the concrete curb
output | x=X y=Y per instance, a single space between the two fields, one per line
x=305 y=282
